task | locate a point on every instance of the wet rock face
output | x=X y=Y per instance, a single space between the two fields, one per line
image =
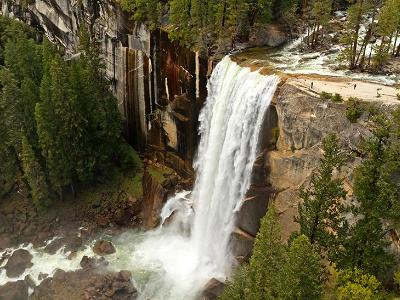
x=102 y=248
x=154 y=196
x=213 y=289
x=18 y=262
x=86 y=284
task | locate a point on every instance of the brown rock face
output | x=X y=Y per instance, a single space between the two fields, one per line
x=213 y=289
x=153 y=200
x=86 y=284
x=18 y=262
x=14 y=291
x=303 y=121
x=102 y=248
x=271 y=35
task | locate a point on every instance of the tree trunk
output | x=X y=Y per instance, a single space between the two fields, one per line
x=395 y=42
x=357 y=32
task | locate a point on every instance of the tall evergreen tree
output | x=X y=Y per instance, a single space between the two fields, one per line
x=366 y=245
x=34 y=175
x=321 y=213
x=302 y=274
x=267 y=259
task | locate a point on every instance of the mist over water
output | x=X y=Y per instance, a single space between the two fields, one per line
x=191 y=246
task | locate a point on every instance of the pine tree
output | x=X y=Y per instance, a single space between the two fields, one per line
x=267 y=259
x=52 y=115
x=351 y=37
x=321 y=213
x=366 y=245
x=34 y=175
x=237 y=287
x=302 y=274
x=144 y=11
x=388 y=29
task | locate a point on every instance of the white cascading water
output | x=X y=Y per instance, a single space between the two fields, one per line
x=194 y=247
x=176 y=260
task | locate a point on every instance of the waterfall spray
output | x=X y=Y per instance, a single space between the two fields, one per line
x=194 y=247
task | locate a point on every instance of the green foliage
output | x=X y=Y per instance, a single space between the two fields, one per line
x=60 y=123
x=353 y=109
x=275 y=135
x=329 y=96
x=267 y=259
x=357 y=285
x=366 y=245
x=321 y=213
x=275 y=271
x=302 y=274
x=128 y=158
x=205 y=25
x=34 y=175
x=325 y=96
x=337 y=98
x=237 y=287
x=148 y=11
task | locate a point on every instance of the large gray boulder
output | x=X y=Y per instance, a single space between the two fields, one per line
x=18 y=262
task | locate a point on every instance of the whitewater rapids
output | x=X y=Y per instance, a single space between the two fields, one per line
x=176 y=260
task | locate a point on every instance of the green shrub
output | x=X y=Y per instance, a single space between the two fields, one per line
x=337 y=98
x=325 y=96
x=129 y=159
x=398 y=96
x=355 y=285
x=274 y=135
x=353 y=109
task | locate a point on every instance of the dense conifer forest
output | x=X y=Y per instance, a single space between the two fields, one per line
x=61 y=128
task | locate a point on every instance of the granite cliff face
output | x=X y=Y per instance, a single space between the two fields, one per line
x=159 y=85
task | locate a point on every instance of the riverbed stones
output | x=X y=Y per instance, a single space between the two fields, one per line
x=18 y=262
x=102 y=248
x=14 y=291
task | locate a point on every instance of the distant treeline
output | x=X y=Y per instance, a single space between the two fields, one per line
x=210 y=25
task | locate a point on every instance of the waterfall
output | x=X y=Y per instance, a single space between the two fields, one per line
x=230 y=125
x=177 y=260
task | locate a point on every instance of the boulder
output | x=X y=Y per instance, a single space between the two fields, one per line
x=92 y=262
x=213 y=289
x=14 y=291
x=18 y=262
x=153 y=200
x=102 y=248
x=271 y=35
x=5 y=242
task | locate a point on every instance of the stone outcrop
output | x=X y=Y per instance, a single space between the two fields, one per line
x=102 y=248
x=18 y=262
x=14 y=291
x=154 y=196
x=303 y=121
x=86 y=284
x=271 y=35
